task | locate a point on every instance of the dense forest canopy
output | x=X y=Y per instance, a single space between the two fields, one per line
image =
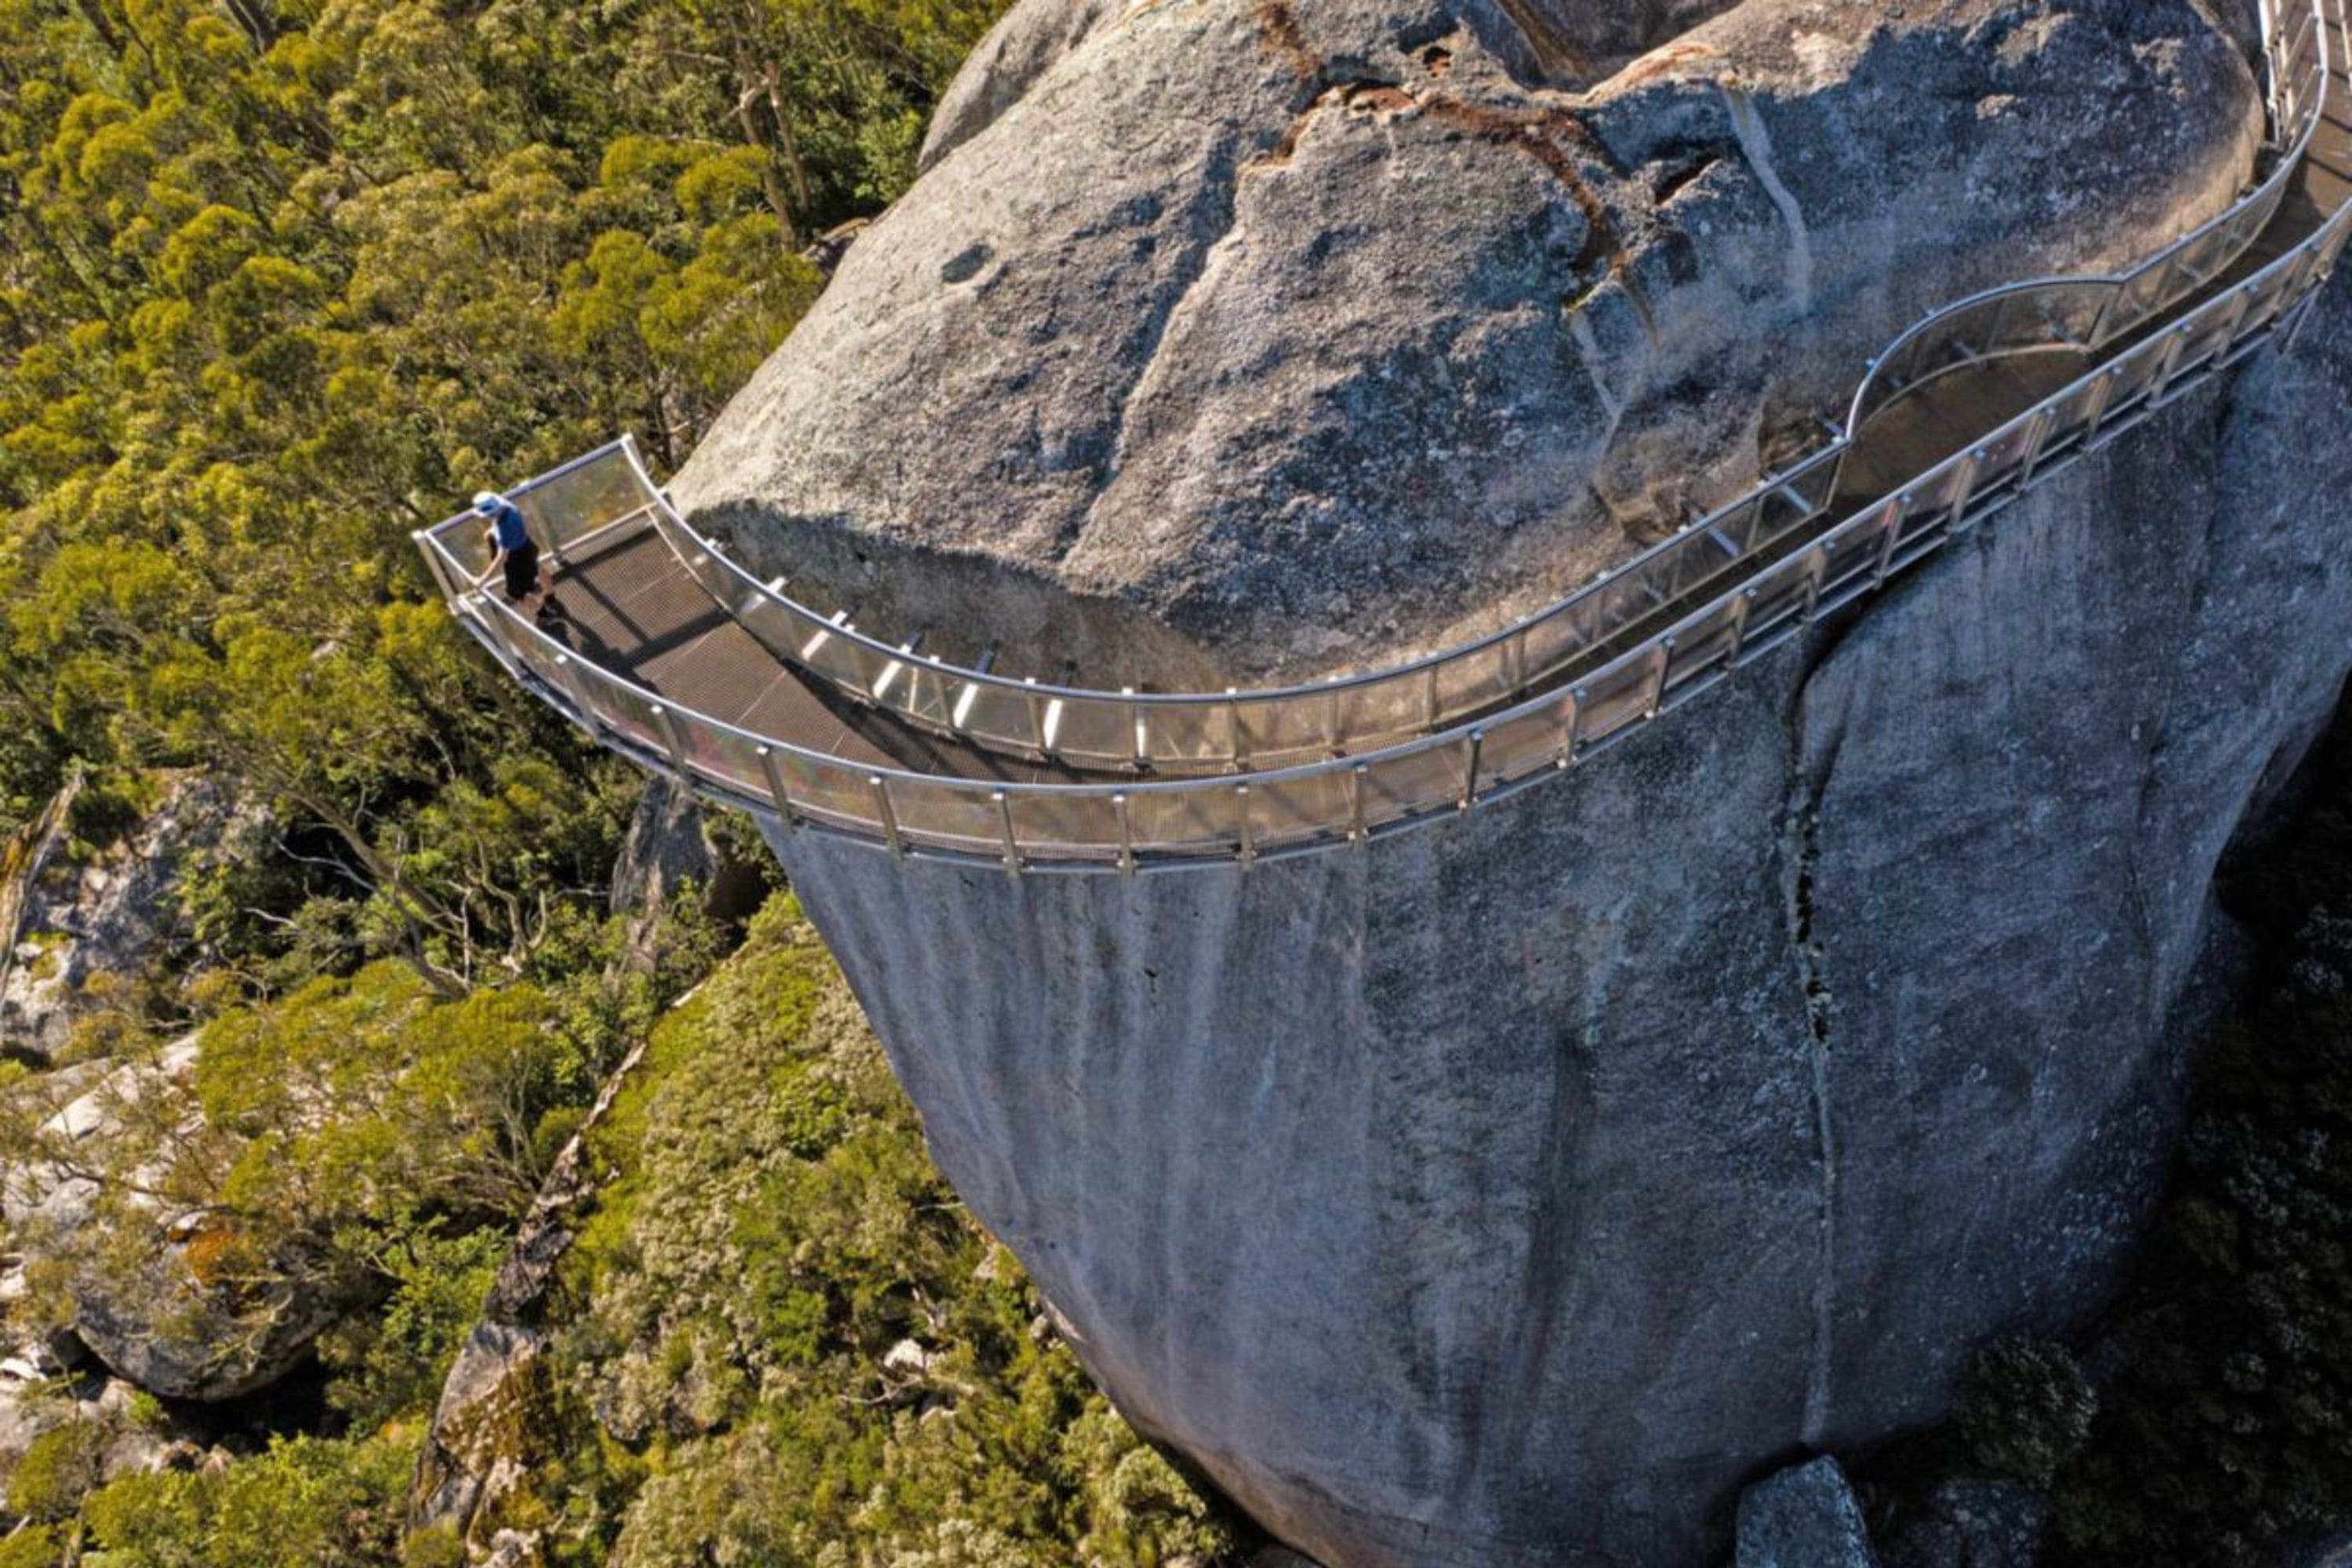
x=280 y=283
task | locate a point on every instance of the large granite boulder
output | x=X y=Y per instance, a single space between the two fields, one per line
x=1512 y=1192
x=132 y=1277
x=1516 y=1187
x=1230 y=338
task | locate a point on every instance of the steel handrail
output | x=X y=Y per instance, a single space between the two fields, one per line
x=1137 y=706
x=1852 y=557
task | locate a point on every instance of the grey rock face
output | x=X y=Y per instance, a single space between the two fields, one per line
x=1226 y=338
x=1515 y=1188
x=1804 y=1517
x=139 y=1303
x=67 y=921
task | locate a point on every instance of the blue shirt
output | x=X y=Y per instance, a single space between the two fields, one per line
x=508 y=519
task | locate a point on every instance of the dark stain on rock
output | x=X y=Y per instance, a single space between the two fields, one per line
x=1437 y=59
x=965 y=264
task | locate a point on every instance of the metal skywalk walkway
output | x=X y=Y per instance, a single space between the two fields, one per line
x=678 y=656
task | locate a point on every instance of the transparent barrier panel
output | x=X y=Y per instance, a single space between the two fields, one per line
x=1297 y=727
x=1189 y=734
x=2000 y=456
x=1615 y=699
x=840 y=660
x=1524 y=744
x=1702 y=645
x=772 y=626
x=1739 y=524
x=2209 y=332
x=2070 y=417
x=2195 y=264
x=1406 y=784
x=601 y=491
x=1703 y=558
x=626 y=712
x=2266 y=296
x=923 y=694
x=1093 y=733
x=724 y=755
x=1854 y=549
x=2132 y=375
x=465 y=544
x=961 y=817
x=1780 y=595
x=1927 y=503
x=1554 y=642
x=1782 y=507
x=2140 y=296
x=1193 y=820
x=1382 y=709
x=1299 y=809
x=827 y=790
x=1005 y=717
x=1476 y=681
x=535 y=654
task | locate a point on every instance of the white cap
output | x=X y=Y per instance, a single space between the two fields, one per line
x=485 y=502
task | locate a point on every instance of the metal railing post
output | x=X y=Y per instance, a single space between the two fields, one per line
x=576 y=686
x=2102 y=394
x=1964 y=492
x=1578 y=697
x=1661 y=656
x=2044 y=421
x=1358 y=833
x=1036 y=718
x=2174 y=344
x=1893 y=525
x=776 y=791
x=1815 y=564
x=1004 y=822
x=1126 y=835
x=667 y=721
x=1137 y=737
x=881 y=788
x=1234 y=724
x=1740 y=612
x=1247 y=835
x=1477 y=742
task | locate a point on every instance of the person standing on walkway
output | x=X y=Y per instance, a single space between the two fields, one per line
x=514 y=548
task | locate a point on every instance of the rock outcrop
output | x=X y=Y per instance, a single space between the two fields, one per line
x=1512 y=1191
x=1804 y=1517
x=67 y=920
x=134 y=1273
x=1235 y=338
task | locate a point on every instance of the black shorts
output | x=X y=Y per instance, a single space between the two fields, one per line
x=522 y=570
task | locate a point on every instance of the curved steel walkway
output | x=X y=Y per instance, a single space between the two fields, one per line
x=679 y=657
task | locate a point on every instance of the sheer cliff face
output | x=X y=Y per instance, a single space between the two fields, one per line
x=1228 y=338
x=1515 y=1189
x=1519 y=1188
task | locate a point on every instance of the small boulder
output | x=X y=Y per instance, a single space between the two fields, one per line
x=1803 y=1517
